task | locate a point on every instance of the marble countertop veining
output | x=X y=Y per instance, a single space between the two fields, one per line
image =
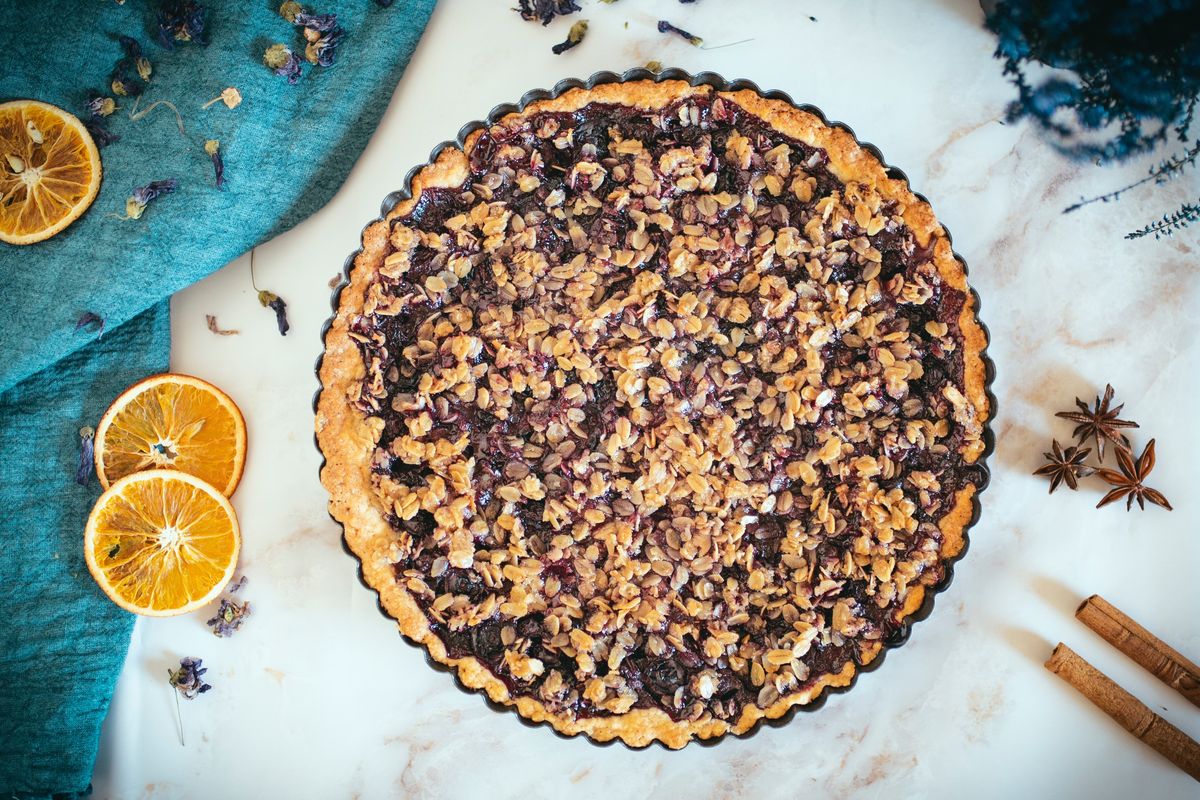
x=318 y=697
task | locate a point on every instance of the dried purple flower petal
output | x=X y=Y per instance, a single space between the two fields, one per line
x=187 y=679
x=574 y=37
x=321 y=23
x=666 y=27
x=130 y=74
x=237 y=585
x=91 y=321
x=87 y=455
x=213 y=148
x=283 y=62
x=230 y=616
x=100 y=132
x=384 y=3
x=142 y=195
x=130 y=46
x=545 y=10
x=181 y=21
x=321 y=50
x=276 y=304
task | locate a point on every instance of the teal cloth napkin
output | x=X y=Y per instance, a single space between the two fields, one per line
x=286 y=149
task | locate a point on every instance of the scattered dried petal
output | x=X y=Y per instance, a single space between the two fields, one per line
x=321 y=23
x=87 y=454
x=91 y=321
x=666 y=27
x=545 y=10
x=143 y=195
x=322 y=50
x=187 y=679
x=276 y=304
x=181 y=21
x=574 y=37
x=230 y=616
x=213 y=148
x=212 y=326
x=654 y=66
x=101 y=135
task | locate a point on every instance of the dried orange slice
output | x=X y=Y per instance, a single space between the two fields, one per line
x=172 y=421
x=49 y=170
x=162 y=542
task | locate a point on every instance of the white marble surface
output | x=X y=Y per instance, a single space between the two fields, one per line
x=318 y=697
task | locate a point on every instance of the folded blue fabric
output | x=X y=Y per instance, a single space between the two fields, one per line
x=286 y=148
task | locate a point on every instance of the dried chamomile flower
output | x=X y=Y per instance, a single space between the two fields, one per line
x=231 y=97
x=290 y=10
x=101 y=106
x=283 y=62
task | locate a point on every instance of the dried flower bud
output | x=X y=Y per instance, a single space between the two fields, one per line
x=276 y=304
x=290 y=10
x=101 y=106
x=574 y=37
x=666 y=27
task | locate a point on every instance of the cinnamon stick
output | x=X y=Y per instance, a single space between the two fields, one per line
x=1153 y=654
x=1131 y=713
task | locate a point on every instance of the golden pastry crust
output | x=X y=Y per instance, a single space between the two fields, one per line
x=348 y=437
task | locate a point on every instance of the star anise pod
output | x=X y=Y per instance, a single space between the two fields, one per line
x=1100 y=422
x=1130 y=481
x=1065 y=466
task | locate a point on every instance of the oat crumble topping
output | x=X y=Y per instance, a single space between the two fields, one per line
x=667 y=413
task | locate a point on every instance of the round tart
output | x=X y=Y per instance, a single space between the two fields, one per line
x=655 y=410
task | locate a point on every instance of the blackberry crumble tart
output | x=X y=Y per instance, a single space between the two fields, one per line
x=655 y=411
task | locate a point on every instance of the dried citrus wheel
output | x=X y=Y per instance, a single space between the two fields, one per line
x=172 y=421
x=161 y=542
x=49 y=170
